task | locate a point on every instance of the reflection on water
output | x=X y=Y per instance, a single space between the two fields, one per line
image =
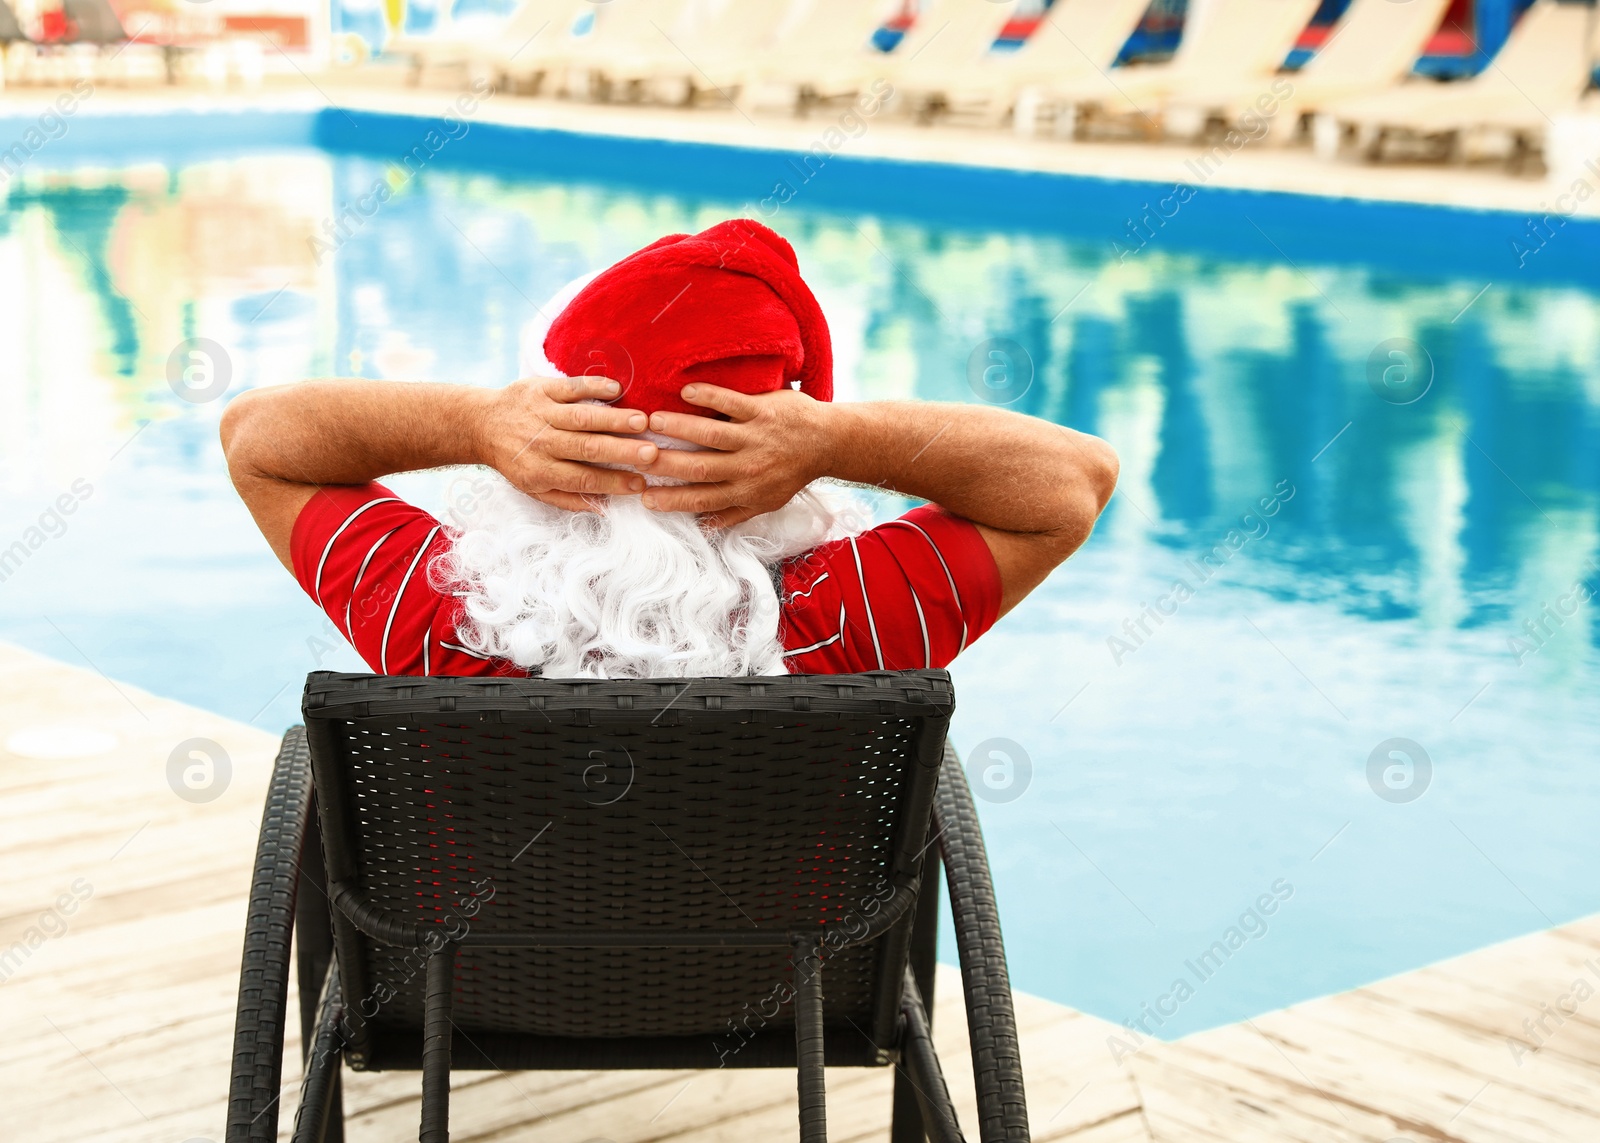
x=1198 y=711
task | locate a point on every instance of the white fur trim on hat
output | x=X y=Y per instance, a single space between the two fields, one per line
x=531 y=361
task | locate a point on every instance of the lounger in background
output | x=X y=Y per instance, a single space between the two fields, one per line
x=820 y=52
x=1074 y=41
x=705 y=55
x=1543 y=69
x=947 y=39
x=471 y=48
x=99 y=50
x=553 y=874
x=596 y=66
x=10 y=30
x=1237 y=41
x=17 y=49
x=1371 y=49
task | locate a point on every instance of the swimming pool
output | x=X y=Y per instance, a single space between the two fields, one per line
x=1314 y=705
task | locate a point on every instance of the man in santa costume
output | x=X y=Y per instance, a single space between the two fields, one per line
x=665 y=498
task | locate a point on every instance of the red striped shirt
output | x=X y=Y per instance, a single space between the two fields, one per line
x=913 y=592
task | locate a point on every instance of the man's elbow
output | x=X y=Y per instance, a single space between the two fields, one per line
x=238 y=429
x=234 y=417
x=1085 y=498
x=1097 y=468
x=1101 y=472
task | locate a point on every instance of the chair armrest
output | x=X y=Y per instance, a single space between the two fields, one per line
x=991 y=1021
x=264 y=977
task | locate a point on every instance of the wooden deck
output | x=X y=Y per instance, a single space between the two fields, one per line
x=122 y=910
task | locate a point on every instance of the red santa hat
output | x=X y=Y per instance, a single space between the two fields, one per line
x=726 y=306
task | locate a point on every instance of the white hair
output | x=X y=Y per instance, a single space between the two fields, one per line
x=625 y=592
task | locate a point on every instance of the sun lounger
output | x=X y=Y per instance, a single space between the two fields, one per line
x=820 y=52
x=948 y=38
x=94 y=22
x=715 y=40
x=10 y=31
x=17 y=50
x=1542 y=70
x=100 y=50
x=470 y=47
x=1074 y=38
x=543 y=874
x=1371 y=49
x=624 y=30
x=1238 y=40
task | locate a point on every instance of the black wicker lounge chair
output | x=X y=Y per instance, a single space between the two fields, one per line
x=745 y=857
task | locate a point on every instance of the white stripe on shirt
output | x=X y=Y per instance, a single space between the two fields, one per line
x=383 y=649
x=354 y=587
x=927 y=650
x=464 y=650
x=316 y=584
x=807 y=592
x=834 y=638
x=872 y=624
x=961 y=611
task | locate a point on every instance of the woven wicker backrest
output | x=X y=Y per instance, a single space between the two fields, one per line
x=600 y=849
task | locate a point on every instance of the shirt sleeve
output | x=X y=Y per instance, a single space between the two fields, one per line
x=362 y=553
x=913 y=592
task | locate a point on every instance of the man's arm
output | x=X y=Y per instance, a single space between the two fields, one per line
x=1034 y=489
x=283 y=443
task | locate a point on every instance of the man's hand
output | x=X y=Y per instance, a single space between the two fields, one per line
x=540 y=436
x=1033 y=489
x=771 y=447
x=284 y=443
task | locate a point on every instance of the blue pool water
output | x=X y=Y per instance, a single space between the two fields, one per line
x=1164 y=769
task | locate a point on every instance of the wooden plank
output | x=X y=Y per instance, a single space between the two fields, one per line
x=1421 y=1055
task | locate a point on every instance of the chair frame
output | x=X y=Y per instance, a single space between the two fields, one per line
x=305 y=902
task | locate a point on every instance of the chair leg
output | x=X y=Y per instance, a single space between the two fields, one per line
x=906 y=1126
x=313 y=942
x=313 y=929
x=925 y=932
x=333 y=1128
x=808 y=1039
x=436 y=1044
x=320 y=1119
x=920 y=1065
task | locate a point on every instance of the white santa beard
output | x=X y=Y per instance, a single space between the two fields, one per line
x=627 y=592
